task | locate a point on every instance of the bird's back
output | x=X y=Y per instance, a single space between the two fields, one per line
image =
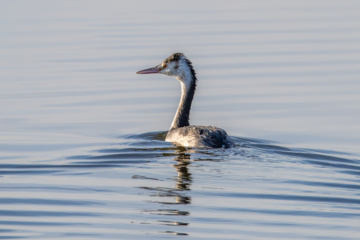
x=200 y=136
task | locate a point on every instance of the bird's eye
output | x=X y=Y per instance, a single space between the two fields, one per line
x=164 y=66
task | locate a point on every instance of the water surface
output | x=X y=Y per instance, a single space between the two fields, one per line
x=82 y=154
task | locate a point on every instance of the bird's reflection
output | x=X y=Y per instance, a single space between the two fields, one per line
x=183 y=180
x=178 y=195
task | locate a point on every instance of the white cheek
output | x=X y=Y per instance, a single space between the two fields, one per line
x=165 y=71
x=168 y=71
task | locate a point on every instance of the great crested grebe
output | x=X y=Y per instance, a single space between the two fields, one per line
x=178 y=66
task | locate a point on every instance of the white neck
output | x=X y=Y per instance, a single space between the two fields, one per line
x=188 y=84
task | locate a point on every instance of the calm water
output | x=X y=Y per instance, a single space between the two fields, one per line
x=82 y=154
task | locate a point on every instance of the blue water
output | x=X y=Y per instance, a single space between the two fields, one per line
x=82 y=150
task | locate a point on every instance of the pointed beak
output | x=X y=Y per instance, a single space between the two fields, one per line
x=156 y=69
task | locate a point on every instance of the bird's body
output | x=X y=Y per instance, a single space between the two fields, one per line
x=199 y=136
x=177 y=65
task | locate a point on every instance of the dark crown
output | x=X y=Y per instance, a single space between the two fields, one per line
x=174 y=57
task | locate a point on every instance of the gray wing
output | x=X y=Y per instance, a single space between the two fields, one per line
x=214 y=137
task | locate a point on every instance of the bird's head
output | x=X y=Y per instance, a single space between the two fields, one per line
x=177 y=65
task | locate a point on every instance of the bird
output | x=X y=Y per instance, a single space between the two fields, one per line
x=181 y=132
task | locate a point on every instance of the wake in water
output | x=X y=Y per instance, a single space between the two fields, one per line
x=261 y=148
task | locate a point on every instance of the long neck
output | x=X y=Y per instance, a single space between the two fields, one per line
x=182 y=115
